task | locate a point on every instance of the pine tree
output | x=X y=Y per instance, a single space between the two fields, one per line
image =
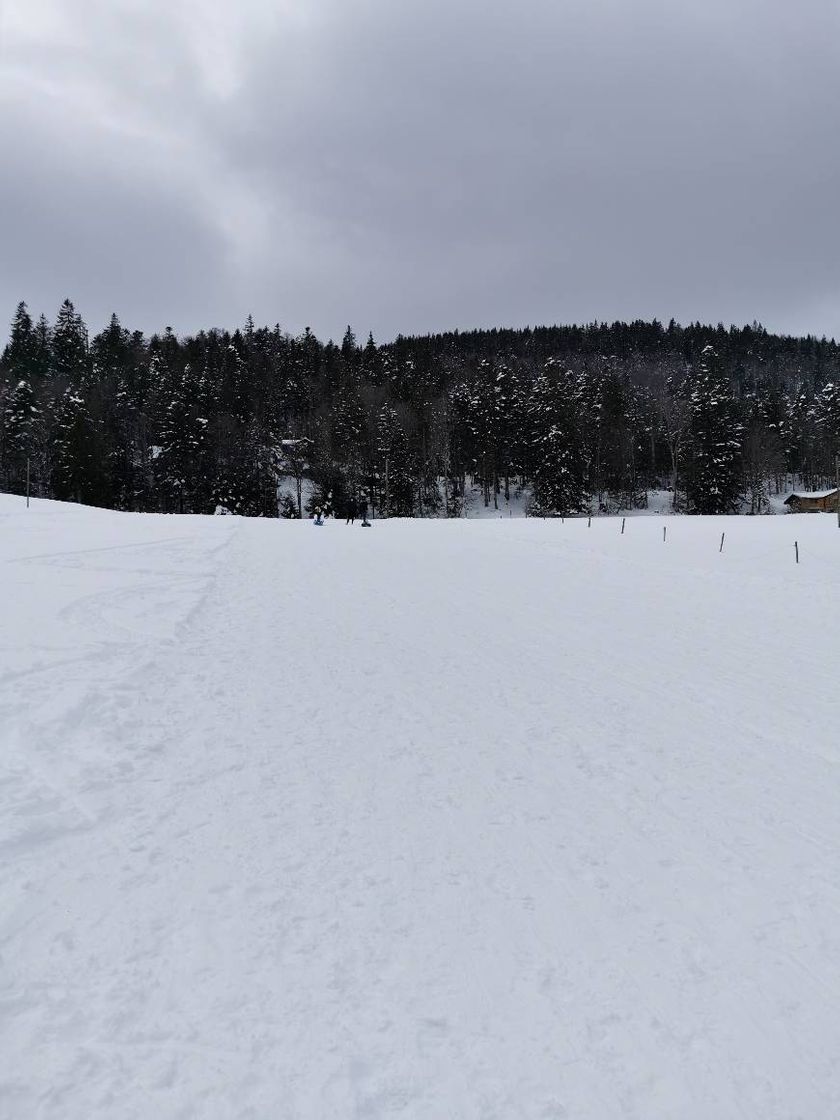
x=20 y=356
x=42 y=357
x=798 y=435
x=616 y=409
x=671 y=418
x=351 y=357
x=113 y=413
x=21 y=429
x=70 y=359
x=234 y=389
x=484 y=420
x=77 y=465
x=346 y=443
x=23 y=439
x=556 y=444
x=715 y=437
x=371 y=364
x=827 y=418
x=763 y=453
x=182 y=467
x=394 y=465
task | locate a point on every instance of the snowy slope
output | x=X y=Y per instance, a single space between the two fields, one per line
x=476 y=819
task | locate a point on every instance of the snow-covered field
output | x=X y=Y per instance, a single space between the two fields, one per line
x=481 y=819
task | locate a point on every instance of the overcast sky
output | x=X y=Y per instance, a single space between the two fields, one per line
x=410 y=166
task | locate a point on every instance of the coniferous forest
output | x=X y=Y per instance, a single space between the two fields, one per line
x=577 y=417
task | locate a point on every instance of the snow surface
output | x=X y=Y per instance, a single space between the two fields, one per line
x=493 y=818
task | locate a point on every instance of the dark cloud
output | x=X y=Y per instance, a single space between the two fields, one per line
x=110 y=241
x=411 y=167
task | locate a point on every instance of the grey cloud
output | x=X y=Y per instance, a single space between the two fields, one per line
x=409 y=167
x=109 y=242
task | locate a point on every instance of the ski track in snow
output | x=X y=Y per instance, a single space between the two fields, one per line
x=486 y=819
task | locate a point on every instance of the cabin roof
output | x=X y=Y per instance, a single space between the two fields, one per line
x=813 y=494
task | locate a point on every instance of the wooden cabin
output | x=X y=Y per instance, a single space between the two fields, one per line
x=813 y=501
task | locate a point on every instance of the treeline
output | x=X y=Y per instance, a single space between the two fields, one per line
x=578 y=417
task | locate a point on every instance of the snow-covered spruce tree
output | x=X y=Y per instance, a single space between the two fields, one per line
x=715 y=434
x=234 y=387
x=438 y=464
x=826 y=413
x=481 y=421
x=351 y=358
x=22 y=437
x=19 y=355
x=182 y=467
x=555 y=444
x=395 y=466
x=762 y=450
x=342 y=440
x=77 y=469
x=78 y=437
x=511 y=399
x=70 y=365
x=371 y=363
x=492 y=410
x=125 y=458
x=671 y=419
x=329 y=493
x=21 y=413
x=117 y=400
x=799 y=436
x=43 y=350
x=615 y=437
x=429 y=501
x=462 y=449
x=245 y=480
